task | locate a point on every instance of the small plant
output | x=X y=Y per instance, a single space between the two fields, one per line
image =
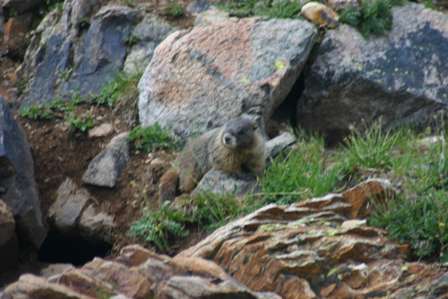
x=371 y=148
x=65 y=74
x=57 y=105
x=131 y=41
x=112 y=91
x=160 y=227
x=372 y=18
x=81 y=123
x=421 y=222
x=212 y=210
x=21 y=86
x=280 y=10
x=301 y=174
x=54 y=5
x=270 y=9
x=36 y=112
x=151 y=138
x=175 y=9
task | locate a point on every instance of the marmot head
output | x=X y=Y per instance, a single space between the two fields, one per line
x=238 y=133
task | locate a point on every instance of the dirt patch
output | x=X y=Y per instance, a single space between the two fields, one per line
x=59 y=154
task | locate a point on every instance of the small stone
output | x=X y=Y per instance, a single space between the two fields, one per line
x=101 y=130
x=98 y=224
x=279 y=144
x=70 y=202
x=221 y=183
x=105 y=169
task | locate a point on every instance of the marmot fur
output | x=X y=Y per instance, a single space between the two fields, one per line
x=320 y=14
x=237 y=147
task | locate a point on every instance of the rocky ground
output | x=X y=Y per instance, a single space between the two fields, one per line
x=79 y=78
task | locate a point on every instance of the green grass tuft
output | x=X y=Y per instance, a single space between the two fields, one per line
x=303 y=173
x=175 y=9
x=80 y=123
x=152 y=138
x=114 y=90
x=269 y=9
x=372 y=148
x=374 y=17
x=36 y=112
x=161 y=227
x=421 y=222
x=212 y=210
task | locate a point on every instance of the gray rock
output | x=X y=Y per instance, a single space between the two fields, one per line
x=77 y=52
x=221 y=183
x=199 y=79
x=150 y=32
x=17 y=185
x=97 y=224
x=105 y=169
x=102 y=130
x=401 y=77
x=66 y=211
x=279 y=144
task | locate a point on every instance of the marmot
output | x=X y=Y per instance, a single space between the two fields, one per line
x=320 y=14
x=235 y=148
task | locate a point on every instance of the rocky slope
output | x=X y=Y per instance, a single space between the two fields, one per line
x=320 y=248
x=74 y=67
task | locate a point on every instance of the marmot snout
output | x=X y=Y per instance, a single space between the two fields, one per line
x=239 y=133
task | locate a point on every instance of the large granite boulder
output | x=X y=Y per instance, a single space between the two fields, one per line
x=200 y=78
x=17 y=185
x=85 y=47
x=401 y=77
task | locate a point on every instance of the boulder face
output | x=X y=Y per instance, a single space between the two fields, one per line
x=82 y=48
x=321 y=248
x=199 y=79
x=17 y=185
x=76 y=52
x=401 y=77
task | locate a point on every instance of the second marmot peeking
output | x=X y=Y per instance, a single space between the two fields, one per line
x=237 y=147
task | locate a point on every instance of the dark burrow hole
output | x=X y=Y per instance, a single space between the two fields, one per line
x=286 y=113
x=73 y=249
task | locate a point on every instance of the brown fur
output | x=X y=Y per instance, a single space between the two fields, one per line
x=207 y=152
x=320 y=14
